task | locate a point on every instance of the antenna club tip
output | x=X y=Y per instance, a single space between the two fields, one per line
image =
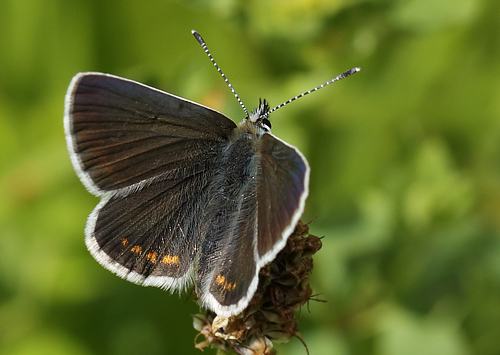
x=198 y=37
x=348 y=73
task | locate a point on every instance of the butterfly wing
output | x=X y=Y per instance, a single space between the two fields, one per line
x=282 y=193
x=262 y=196
x=149 y=236
x=150 y=156
x=121 y=133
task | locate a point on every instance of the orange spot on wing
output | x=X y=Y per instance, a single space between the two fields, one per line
x=136 y=249
x=226 y=285
x=221 y=279
x=124 y=242
x=169 y=259
x=151 y=257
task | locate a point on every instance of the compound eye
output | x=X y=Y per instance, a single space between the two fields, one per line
x=266 y=124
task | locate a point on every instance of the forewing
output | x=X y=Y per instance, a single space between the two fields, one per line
x=282 y=190
x=120 y=132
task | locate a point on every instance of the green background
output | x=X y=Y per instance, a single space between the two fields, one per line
x=405 y=159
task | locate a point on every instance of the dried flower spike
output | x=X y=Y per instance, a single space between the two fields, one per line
x=270 y=316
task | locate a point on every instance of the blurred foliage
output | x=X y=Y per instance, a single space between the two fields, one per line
x=405 y=160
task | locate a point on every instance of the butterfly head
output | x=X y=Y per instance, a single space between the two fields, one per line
x=259 y=116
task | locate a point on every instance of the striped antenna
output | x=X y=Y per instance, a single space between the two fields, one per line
x=337 y=78
x=205 y=48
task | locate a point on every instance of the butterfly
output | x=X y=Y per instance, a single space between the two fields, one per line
x=187 y=196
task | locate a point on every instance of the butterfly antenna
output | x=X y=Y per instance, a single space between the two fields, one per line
x=205 y=48
x=337 y=78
